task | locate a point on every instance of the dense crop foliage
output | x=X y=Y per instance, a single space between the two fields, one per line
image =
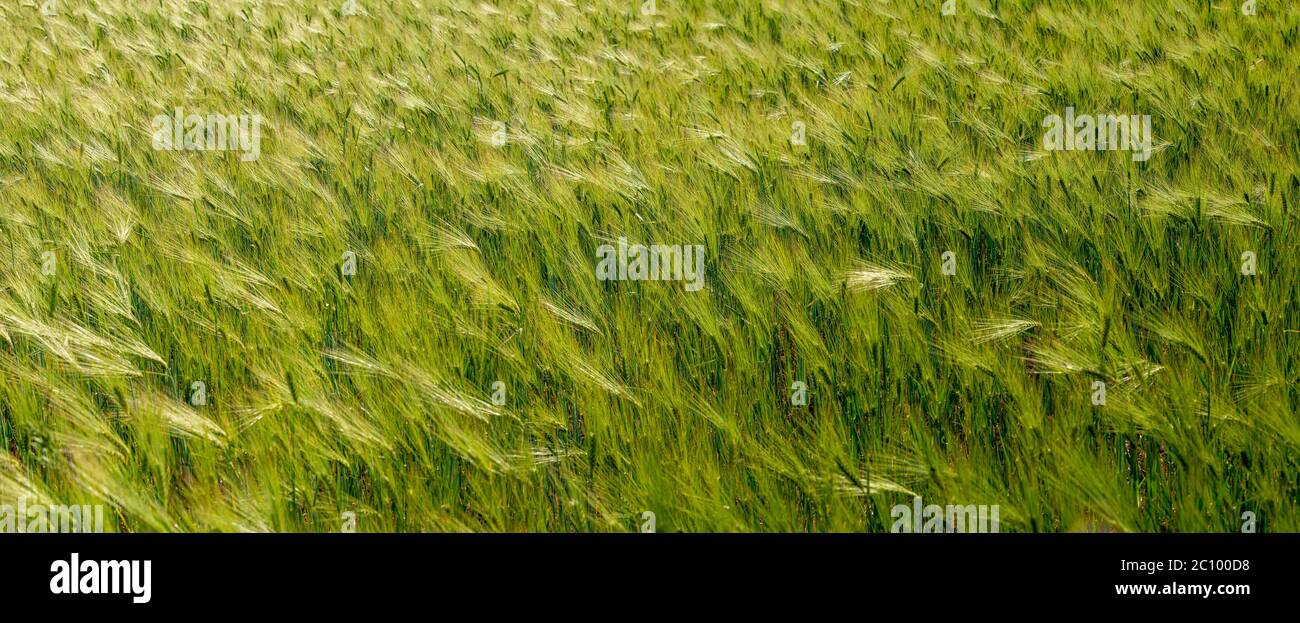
x=394 y=311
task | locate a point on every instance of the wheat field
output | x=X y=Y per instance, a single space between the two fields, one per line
x=389 y=315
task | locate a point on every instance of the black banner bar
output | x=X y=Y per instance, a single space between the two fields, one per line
x=325 y=572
